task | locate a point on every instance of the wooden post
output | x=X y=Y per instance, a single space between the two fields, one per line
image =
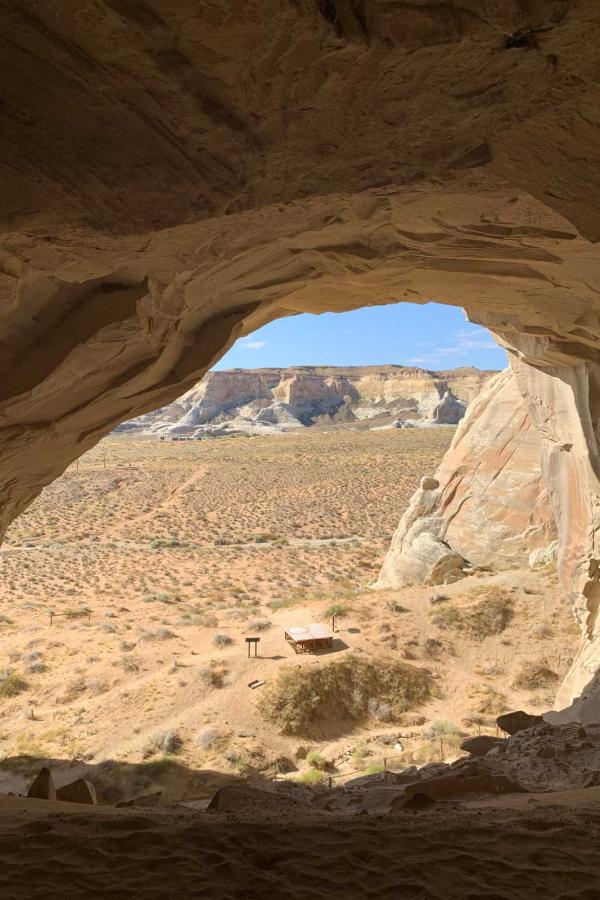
x=441 y=750
x=330 y=782
x=385 y=763
x=333 y=624
x=51 y=618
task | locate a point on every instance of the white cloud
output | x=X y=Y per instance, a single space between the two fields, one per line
x=254 y=345
x=463 y=343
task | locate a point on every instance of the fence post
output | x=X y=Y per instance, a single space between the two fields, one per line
x=385 y=763
x=330 y=782
x=441 y=750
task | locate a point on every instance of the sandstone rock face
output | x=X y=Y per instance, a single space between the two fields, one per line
x=489 y=504
x=175 y=175
x=274 y=400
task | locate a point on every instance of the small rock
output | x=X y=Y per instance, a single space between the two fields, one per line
x=513 y=722
x=481 y=744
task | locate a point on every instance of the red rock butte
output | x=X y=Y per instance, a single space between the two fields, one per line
x=177 y=174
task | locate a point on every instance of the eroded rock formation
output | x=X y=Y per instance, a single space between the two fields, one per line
x=487 y=503
x=175 y=175
x=267 y=401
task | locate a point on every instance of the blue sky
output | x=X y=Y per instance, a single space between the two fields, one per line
x=431 y=336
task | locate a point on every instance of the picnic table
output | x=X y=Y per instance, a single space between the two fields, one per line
x=309 y=638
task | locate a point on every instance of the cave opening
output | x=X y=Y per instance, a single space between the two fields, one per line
x=267 y=497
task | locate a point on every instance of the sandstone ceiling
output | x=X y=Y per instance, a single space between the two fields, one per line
x=176 y=173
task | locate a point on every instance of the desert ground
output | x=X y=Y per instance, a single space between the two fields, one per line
x=131 y=584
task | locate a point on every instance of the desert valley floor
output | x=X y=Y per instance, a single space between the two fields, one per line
x=129 y=588
x=132 y=582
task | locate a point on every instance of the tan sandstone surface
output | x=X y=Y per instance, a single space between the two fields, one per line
x=177 y=174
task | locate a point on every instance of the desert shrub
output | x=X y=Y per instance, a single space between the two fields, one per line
x=302 y=698
x=534 y=675
x=33 y=663
x=208 y=737
x=441 y=728
x=164 y=742
x=336 y=609
x=447 y=618
x=379 y=709
x=159 y=634
x=129 y=664
x=490 y=615
x=489 y=701
x=221 y=640
x=432 y=648
x=310 y=777
x=259 y=624
x=314 y=759
x=213 y=675
x=11 y=683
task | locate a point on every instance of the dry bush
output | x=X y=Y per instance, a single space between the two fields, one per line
x=533 y=675
x=11 y=683
x=490 y=702
x=490 y=615
x=302 y=699
x=164 y=742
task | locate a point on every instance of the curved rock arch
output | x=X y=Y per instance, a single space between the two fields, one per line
x=175 y=177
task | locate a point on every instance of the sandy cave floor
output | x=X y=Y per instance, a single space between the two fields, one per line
x=483 y=850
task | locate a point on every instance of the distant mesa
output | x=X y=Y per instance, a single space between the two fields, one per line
x=274 y=401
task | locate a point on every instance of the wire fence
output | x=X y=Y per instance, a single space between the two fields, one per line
x=383 y=764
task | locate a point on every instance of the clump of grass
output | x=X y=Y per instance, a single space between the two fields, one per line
x=441 y=728
x=310 y=777
x=11 y=683
x=314 y=759
x=534 y=675
x=374 y=769
x=336 y=609
x=300 y=699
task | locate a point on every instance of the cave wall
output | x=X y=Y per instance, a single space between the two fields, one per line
x=176 y=174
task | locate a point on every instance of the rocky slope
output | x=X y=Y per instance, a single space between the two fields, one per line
x=262 y=401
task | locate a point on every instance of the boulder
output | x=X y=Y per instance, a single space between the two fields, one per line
x=80 y=791
x=144 y=800
x=42 y=787
x=481 y=744
x=462 y=781
x=513 y=722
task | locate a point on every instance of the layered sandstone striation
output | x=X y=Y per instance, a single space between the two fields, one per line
x=176 y=175
x=263 y=401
